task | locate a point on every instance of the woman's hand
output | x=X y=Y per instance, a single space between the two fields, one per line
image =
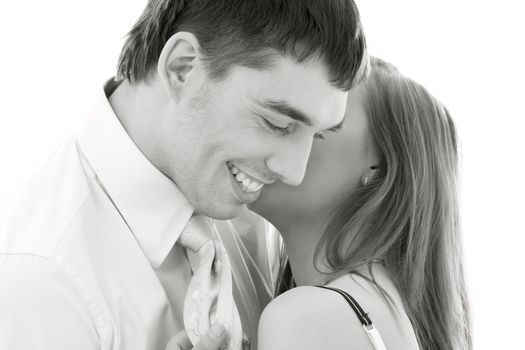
x=213 y=340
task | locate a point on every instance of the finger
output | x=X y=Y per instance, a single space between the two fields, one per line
x=213 y=340
x=180 y=341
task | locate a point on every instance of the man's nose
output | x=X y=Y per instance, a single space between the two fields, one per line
x=290 y=161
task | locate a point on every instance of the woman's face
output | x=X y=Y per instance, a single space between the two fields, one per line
x=334 y=170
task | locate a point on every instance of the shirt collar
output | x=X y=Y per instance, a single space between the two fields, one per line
x=151 y=204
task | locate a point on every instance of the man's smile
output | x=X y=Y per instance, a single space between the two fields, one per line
x=246 y=182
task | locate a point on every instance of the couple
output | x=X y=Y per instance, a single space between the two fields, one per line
x=222 y=104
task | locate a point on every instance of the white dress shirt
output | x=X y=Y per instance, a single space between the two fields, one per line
x=88 y=258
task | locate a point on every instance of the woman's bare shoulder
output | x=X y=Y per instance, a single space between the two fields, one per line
x=310 y=318
x=316 y=318
x=384 y=306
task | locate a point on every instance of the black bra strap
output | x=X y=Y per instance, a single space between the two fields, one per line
x=363 y=316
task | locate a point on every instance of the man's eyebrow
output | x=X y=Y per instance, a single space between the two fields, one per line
x=284 y=108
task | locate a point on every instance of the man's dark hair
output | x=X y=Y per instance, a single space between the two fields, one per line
x=250 y=33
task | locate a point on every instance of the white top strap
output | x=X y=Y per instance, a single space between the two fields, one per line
x=375 y=337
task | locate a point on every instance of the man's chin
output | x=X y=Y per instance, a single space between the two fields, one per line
x=224 y=212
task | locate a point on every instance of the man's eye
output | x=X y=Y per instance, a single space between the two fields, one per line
x=319 y=135
x=275 y=127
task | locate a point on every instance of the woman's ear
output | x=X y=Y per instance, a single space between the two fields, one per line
x=177 y=63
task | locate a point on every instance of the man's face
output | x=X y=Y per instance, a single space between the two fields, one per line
x=252 y=128
x=334 y=171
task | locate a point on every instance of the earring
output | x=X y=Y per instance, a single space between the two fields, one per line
x=365 y=179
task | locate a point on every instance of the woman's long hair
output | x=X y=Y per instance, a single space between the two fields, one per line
x=407 y=215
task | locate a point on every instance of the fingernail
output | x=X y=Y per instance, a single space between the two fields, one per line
x=217 y=330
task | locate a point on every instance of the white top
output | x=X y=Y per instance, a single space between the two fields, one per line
x=86 y=258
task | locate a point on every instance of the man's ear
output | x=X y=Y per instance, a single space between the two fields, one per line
x=177 y=62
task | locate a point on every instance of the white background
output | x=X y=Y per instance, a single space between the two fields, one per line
x=55 y=55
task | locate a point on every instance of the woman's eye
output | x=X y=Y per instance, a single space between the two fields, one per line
x=275 y=127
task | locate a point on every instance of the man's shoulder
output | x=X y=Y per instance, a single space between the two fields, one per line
x=46 y=205
x=39 y=303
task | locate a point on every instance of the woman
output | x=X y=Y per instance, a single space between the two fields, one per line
x=376 y=217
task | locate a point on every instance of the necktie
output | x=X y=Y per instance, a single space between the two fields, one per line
x=209 y=297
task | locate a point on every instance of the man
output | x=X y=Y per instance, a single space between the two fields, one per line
x=214 y=99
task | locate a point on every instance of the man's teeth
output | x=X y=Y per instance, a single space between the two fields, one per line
x=248 y=184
